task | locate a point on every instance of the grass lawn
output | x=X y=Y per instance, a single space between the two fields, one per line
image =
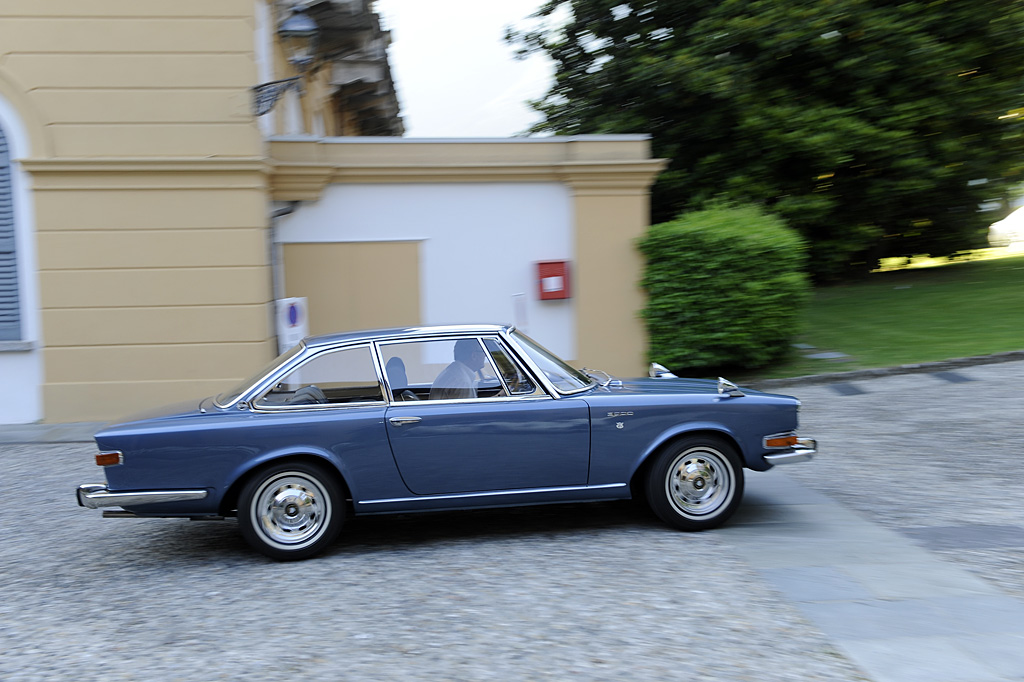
x=911 y=315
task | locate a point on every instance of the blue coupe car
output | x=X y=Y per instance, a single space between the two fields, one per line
x=432 y=418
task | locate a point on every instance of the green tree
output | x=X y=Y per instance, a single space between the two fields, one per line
x=875 y=128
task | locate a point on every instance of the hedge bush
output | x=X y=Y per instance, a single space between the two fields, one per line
x=726 y=286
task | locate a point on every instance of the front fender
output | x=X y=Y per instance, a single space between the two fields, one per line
x=679 y=430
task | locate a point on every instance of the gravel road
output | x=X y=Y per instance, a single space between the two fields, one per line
x=594 y=592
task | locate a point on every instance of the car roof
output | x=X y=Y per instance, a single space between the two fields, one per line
x=403 y=333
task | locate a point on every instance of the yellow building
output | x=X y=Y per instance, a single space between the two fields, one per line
x=139 y=259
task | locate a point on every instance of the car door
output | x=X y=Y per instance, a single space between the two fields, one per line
x=331 y=402
x=503 y=433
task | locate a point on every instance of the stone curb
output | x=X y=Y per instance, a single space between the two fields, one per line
x=922 y=368
x=48 y=434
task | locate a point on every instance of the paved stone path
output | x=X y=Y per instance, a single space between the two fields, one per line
x=898 y=611
x=918 y=574
x=898 y=554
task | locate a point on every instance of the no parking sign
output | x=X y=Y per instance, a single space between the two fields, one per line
x=292 y=322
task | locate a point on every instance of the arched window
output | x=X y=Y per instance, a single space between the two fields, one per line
x=10 y=316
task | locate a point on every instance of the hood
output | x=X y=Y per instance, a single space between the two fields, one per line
x=644 y=385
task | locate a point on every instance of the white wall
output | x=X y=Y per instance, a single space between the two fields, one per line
x=479 y=243
x=21 y=371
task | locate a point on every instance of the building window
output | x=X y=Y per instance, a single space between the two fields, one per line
x=10 y=315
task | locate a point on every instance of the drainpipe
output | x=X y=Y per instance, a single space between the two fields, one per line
x=276 y=261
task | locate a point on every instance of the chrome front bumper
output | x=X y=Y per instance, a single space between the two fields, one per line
x=804 y=451
x=96 y=495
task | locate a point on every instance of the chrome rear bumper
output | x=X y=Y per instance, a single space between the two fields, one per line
x=804 y=451
x=96 y=495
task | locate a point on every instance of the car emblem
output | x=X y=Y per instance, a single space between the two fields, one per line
x=620 y=425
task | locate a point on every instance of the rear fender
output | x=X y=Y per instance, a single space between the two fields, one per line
x=238 y=475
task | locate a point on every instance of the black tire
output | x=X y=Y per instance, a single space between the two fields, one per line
x=291 y=510
x=695 y=483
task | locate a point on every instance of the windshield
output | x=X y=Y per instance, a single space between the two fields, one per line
x=565 y=378
x=228 y=397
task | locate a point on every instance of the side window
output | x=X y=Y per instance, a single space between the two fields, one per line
x=516 y=380
x=10 y=315
x=331 y=378
x=443 y=369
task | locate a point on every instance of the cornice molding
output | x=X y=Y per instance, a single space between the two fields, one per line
x=299 y=182
x=306 y=180
x=296 y=181
x=146 y=173
x=611 y=177
x=143 y=165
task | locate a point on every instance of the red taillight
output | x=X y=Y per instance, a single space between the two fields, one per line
x=106 y=459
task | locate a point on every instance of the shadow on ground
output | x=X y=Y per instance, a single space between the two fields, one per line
x=165 y=539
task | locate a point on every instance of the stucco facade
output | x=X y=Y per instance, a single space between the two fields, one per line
x=151 y=278
x=481 y=213
x=144 y=186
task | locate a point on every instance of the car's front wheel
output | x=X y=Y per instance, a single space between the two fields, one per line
x=696 y=483
x=292 y=510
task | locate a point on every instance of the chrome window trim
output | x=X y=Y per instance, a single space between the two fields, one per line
x=496 y=493
x=378 y=358
x=528 y=361
x=494 y=370
x=306 y=355
x=313 y=407
x=503 y=333
x=538 y=388
x=451 y=336
x=473 y=401
x=243 y=396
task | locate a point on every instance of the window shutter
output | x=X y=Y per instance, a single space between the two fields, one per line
x=10 y=316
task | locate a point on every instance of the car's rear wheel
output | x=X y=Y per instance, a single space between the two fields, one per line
x=696 y=483
x=292 y=510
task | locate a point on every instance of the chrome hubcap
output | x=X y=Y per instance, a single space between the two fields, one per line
x=699 y=482
x=291 y=509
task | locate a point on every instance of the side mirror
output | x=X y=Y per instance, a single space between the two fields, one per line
x=657 y=371
x=728 y=389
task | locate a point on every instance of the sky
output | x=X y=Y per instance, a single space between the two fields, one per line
x=454 y=73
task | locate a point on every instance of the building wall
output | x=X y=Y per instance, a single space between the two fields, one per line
x=608 y=272
x=484 y=212
x=343 y=283
x=144 y=189
x=149 y=197
x=477 y=244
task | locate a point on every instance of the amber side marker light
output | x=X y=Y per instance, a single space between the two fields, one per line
x=780 y=442
x=106 y=459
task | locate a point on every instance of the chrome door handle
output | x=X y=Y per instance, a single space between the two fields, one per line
x=399 y=421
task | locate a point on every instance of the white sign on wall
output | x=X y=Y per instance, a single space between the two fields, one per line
x=292 y=322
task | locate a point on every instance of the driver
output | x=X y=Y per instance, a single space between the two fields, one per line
x=458 y=380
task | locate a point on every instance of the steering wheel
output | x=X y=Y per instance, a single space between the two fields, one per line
x=308 y=395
